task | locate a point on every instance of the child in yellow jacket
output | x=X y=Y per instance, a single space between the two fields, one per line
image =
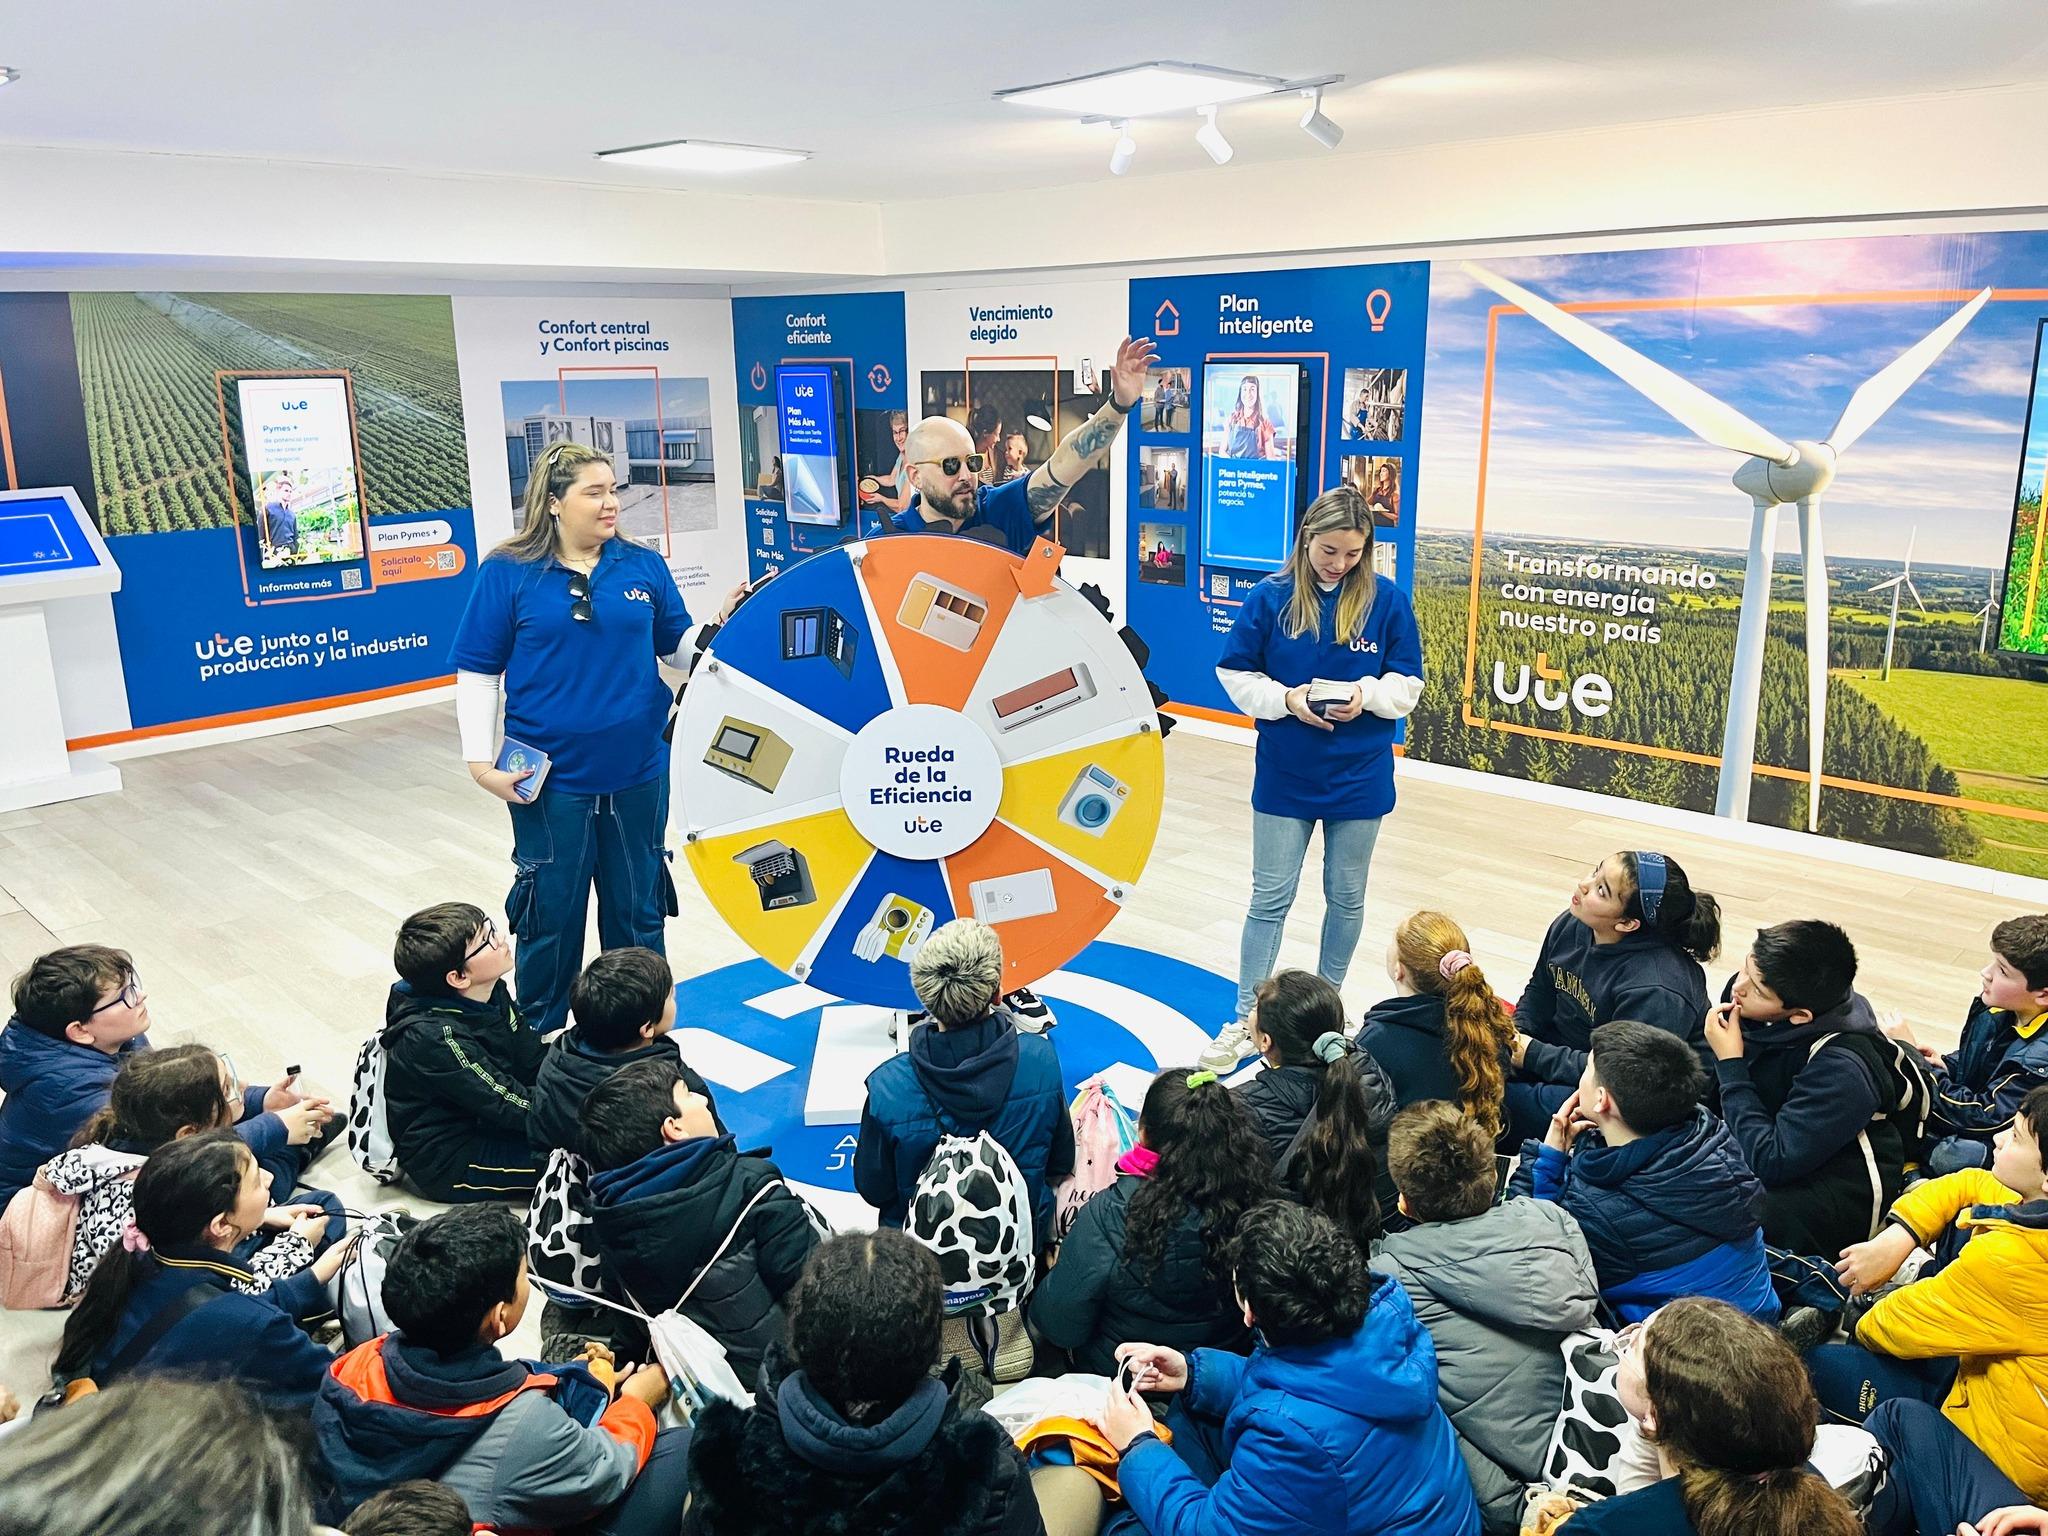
x=1985 y=1311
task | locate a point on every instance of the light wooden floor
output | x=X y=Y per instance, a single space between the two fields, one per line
x=258 y=886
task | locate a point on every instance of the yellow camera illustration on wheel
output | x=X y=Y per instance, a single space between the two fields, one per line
x=898 y=927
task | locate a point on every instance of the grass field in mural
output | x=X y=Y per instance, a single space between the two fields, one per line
x=1920 y=730
x=147 y=363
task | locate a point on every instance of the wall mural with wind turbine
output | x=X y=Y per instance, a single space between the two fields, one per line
x=1601 y=608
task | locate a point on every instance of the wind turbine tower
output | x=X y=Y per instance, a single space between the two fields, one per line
x=1773 y=474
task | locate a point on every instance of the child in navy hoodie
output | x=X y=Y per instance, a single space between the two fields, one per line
x=79 y=1013
x=1444 y=1035
x=2003 y=1055
x=1810 y=1088
x=1660 y=1189
x=624 y=1005
x=1630 y=946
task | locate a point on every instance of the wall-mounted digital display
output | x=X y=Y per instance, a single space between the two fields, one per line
x=813 y=452
x=299 y=448
x=1253 y=416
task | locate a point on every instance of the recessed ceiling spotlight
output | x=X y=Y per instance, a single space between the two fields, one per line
x=1125 y=152
x=701 y=155
x=1318 y=127
x=1144 y=90
x=1210 y=137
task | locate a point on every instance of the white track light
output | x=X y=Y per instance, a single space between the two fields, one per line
x=1317 y=126
x=1210 y=137
x=1126 y=150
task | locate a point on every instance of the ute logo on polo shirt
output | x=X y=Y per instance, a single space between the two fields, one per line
x=638 y=595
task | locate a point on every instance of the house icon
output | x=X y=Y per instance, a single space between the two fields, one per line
x=1166 y=319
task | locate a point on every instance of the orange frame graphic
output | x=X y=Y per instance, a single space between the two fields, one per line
x=1732 y=301
x=660 y=429
x=227 y=455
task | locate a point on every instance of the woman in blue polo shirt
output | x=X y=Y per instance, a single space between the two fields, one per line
x=566 y=621
x=1325 y=618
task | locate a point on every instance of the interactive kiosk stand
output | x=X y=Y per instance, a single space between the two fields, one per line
x=49 y=550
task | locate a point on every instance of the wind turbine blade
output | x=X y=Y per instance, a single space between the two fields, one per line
x=1881 y=390
x=1692 y=407
x=1916 y=596
x=1884 y=586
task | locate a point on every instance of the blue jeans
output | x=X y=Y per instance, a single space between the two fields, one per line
x=1952 y=1154
x=1937 y=1479
x=560 y=844
x=1279 y=844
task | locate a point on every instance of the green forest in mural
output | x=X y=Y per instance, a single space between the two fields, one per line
x=1923 y=728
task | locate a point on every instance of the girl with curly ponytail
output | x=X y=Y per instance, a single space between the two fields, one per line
x=1444 y=1035
x=1151 y=1256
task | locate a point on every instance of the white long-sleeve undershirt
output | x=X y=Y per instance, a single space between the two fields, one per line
x=1390 y=696
x=479 y=697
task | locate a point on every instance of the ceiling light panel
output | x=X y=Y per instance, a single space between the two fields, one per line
x=1143 y=90
x=701 y=155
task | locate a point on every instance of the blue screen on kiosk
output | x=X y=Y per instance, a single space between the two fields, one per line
x=40 y=533
x=810 y=444
x=1250 y=432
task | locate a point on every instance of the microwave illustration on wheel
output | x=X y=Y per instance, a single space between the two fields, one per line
x=949 y=614
x=751 y=753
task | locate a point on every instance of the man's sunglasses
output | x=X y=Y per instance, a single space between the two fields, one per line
x=579 y=589
x=951 y=466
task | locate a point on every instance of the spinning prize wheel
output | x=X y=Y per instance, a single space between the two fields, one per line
x=894 y=734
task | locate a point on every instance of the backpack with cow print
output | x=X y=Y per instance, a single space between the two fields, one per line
x=972 y=1208
x=561 y=1247
x=369 y=1128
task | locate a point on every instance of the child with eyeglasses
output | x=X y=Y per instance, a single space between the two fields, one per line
x=460 y=1060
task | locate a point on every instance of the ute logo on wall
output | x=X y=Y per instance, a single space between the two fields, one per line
x=1873 y=672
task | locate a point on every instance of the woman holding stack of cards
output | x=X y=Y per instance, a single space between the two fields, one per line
x=564 y=625
x=1326 y=658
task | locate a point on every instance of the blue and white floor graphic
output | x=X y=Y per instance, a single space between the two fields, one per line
x=765 y=1044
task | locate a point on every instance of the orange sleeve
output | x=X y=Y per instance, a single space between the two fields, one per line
x=631 y=1421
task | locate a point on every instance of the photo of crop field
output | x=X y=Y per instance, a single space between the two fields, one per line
x=147 y=363
x=1935 y=754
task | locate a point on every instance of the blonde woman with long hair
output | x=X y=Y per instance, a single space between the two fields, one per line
x=1444 y=1034
x=1324 y=619
x=565 y=624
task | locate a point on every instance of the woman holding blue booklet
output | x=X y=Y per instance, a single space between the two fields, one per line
x=565 y=624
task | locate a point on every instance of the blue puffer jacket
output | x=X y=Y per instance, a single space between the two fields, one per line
x=1675 y=1213
x=1340 y=1438
x=957 y=1082
x=53 y=1087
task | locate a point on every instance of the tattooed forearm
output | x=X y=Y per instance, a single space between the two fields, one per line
x=1043 y=494
x=1084 y=448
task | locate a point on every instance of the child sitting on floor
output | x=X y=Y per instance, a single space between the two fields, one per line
x=1668 y=1205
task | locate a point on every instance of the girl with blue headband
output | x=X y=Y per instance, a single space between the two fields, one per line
x=1630 y=946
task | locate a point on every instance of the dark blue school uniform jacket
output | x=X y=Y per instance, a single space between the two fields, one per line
x=1578 y=985
x=1342 y=775
x=253 y=1340
x=1979 y=1085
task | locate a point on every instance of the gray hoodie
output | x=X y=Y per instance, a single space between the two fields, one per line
x=1498 y=1292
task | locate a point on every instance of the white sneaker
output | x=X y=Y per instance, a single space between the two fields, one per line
x=1232 y=1045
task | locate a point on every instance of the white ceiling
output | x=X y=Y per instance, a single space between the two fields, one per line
x=900 y=109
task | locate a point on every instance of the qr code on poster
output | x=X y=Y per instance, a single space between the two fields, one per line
x=351 y=581
x=1219 y=584
x=444 y=560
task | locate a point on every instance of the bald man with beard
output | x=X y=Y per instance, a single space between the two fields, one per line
x=950 y=496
